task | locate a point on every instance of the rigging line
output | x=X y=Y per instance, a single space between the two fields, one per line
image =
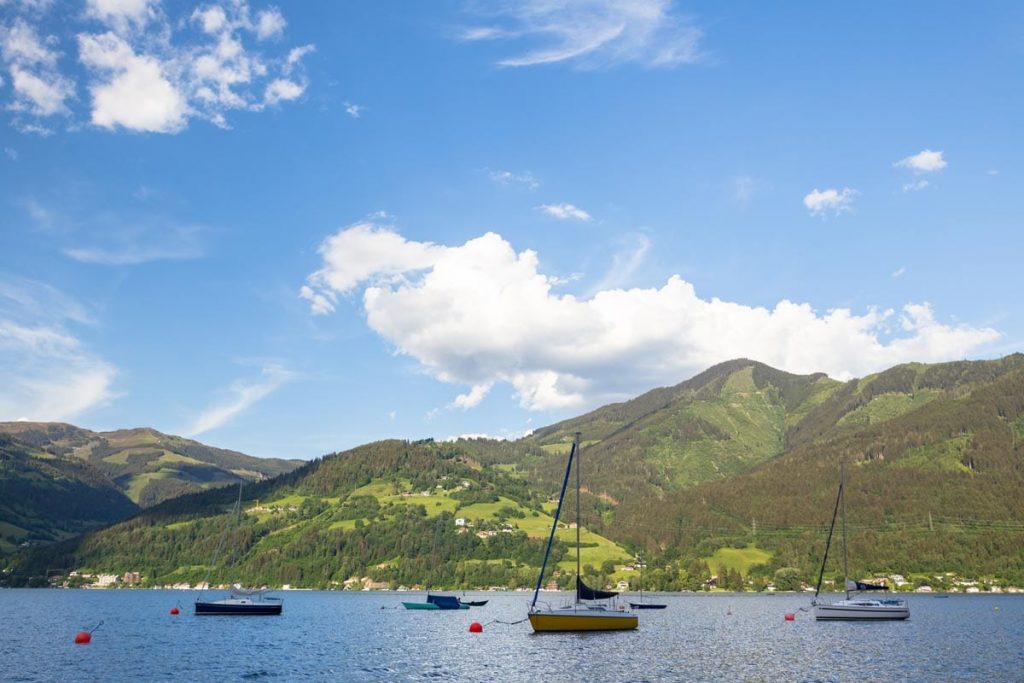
x=220 y=542
x=828 y=543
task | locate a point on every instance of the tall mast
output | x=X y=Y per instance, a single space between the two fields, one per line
x=554 y=526
x=842 y=495
x=641 y=579
x=579 y=576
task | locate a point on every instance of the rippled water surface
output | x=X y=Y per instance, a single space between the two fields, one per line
x=368 y=637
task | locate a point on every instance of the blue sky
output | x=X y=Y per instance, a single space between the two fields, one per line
x=291 y=229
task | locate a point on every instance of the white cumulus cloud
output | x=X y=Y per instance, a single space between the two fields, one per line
x=564 y=212
x=269 y=23
x=925 y=161
x=480 y=313
x=823 y=202
x=146 y=71
x=283 y=90
x=39 y=89
x=122 y=15
x=590 y=33
x=132 y=91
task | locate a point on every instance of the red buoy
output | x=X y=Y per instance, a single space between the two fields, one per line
x=475 y=627
x=83 y=638
x=790 y=616
x=175 y=610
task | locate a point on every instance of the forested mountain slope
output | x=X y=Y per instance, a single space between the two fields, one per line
x=44 y=498
x=146 y=465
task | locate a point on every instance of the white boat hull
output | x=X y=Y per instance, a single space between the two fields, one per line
x=862 y=610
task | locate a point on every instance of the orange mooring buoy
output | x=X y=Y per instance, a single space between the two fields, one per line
x=790 y=616
x=85 y=637
x=476 y=627
x=175 y=610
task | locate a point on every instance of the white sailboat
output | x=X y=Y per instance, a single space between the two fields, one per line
x=854 y=607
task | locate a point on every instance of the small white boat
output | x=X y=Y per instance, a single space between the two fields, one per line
x=854 y=608
x=861 y=609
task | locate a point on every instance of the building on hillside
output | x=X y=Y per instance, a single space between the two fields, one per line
x=106 y=580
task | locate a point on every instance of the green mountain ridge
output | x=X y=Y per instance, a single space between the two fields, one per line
x=44 y=498
x=146 y=465
x=740 y=461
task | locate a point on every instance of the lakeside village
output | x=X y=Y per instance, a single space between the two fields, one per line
x=942 y=583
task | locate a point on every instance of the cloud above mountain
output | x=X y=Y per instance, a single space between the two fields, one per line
x=481 y=313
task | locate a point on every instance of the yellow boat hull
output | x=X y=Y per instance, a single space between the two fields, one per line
x=553 y=622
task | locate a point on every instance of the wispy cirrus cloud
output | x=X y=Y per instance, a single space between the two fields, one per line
x=117 y=239
x=564 y=211
x=915 y=185
x=831 y=200
x=241 y=395
x=47 y=372
x=625 y=263
x=589 y=33
x=479 y=314
x=522 y=178
x=148 y=71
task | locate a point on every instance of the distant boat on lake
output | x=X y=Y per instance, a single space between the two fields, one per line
x=240 y=601
x=437 y=602
x=472 y=603
x=582 y=614
x=642 y=604
x=853 y=608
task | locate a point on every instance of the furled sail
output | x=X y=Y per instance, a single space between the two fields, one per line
x=444 y=601
x=585 y=592
x=861 y=586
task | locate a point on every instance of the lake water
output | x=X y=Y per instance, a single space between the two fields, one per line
x=333 y=636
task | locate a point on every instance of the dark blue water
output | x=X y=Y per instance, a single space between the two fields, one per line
x=363 y=637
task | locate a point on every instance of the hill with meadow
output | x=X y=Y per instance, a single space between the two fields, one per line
x=146 y=465
x=731 y=474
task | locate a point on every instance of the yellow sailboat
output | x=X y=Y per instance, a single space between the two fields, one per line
x=583 y=614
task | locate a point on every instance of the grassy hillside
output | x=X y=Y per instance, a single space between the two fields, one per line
x=148 y=466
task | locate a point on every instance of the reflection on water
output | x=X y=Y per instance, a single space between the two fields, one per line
x=365 y=637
